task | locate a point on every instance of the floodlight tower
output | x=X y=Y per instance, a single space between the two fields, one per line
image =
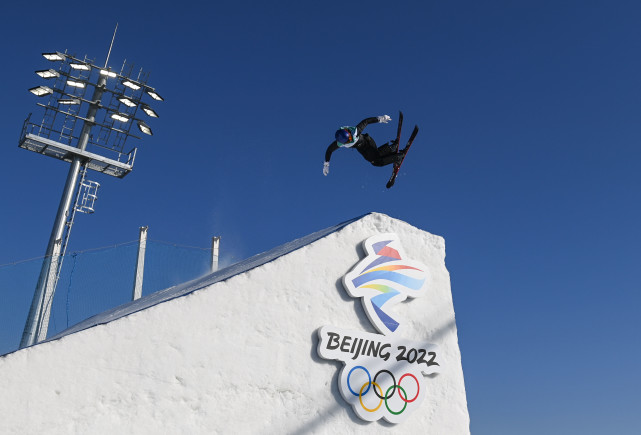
x=89 y=133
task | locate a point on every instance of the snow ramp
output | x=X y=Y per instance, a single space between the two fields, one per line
x=314 y=336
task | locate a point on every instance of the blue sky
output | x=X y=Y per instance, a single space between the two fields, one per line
x=526 y=163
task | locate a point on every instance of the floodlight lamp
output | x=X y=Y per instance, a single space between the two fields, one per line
x=149 y=111
x=111 y=74
x=144 y=128
x=155 y=96
x=127 y=102
x=75 y=84
x=120 y=117
x=68 y=101
x=54 y=56
x=48 y=73
x=131 y=84
x=80 y=66
x=41 y=91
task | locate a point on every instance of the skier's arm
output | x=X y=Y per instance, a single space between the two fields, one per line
x=365 y=122
x=330 y=149
x=372 y=120
x=328 y=155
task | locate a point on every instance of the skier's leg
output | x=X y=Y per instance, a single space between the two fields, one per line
x=388 y=159
x=386 y=149
x=394 y=145
x=388 y=154
x=390 y=147
x=368 y=149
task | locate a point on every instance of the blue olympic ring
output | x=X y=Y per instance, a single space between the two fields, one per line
x=369 y=384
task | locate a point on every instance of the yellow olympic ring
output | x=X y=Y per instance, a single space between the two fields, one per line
x=360 y=397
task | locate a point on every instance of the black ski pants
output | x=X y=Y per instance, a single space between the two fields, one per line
x=377 y=156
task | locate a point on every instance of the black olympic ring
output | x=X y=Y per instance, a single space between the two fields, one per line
x=394 y=383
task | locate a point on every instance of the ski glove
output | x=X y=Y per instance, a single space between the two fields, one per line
x=325 y=168
x=384 y=119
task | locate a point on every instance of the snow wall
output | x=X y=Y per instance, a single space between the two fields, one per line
x=259 y=347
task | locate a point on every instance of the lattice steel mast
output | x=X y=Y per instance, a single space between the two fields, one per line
x=59 y=136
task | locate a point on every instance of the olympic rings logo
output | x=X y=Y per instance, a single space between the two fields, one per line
x=383 y=397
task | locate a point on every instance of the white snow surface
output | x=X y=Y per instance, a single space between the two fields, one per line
x=235 y=351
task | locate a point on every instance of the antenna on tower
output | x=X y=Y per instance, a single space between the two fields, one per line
x=112 y=44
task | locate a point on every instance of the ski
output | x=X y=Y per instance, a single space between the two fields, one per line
x=392 y=179
x=398 y=131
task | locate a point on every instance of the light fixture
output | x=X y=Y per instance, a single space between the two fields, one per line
x=53 y=56
x=48 y=73
x=131 y=84
x=81 y=66
x=144 y=128
x=75 y=84
x=104 y=72
x=120 y=117
x=155 y=96
x=41 y=91
x=69 y=101
x=149 y=111
x=127 y=102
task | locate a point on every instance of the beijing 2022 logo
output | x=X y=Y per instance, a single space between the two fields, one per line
x=382 y=375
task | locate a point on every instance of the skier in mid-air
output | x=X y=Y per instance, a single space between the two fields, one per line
x=353 y=137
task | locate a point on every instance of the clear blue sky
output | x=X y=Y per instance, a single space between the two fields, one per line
x=526 y=163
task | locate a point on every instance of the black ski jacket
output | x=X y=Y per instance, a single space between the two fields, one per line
x=364 y=145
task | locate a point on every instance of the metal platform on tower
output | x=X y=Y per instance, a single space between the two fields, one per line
x=64 y=152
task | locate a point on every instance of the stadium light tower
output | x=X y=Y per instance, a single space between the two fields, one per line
x=89 y=132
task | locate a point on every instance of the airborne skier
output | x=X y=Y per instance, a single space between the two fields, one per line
x=353 y=137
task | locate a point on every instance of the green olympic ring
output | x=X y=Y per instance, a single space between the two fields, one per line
x=399 y=393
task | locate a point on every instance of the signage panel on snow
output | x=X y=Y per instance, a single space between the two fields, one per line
x=382 y=375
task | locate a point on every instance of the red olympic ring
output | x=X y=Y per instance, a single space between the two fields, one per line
x=418 y=387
